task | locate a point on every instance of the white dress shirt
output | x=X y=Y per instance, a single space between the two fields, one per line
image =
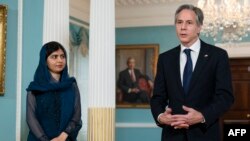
x=194 y=56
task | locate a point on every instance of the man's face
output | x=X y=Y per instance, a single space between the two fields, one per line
x=186 y=27
x=131 y=64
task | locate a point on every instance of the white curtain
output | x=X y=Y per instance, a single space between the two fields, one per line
x=79 y=64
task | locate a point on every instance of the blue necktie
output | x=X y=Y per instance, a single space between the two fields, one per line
x=187 y=74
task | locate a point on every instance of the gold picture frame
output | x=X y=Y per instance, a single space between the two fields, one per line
x=146 y=56
x=3 y=32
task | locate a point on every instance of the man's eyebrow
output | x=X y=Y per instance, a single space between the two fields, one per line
x=185 y=20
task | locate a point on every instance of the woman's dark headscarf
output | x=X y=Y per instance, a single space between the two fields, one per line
x=42 y=78
x=55 y=100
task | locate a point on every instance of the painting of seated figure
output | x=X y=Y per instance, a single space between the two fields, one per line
x=135 y=72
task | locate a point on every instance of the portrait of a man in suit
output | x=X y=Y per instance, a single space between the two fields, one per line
x=133 y=84
x=193 y=86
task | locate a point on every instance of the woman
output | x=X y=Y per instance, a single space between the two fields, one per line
x=53 y=99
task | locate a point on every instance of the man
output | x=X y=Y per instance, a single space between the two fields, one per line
x=128 y=83
x=193 y=85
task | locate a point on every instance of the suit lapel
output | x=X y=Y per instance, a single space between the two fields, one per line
x=176 y=65
x=201 y=61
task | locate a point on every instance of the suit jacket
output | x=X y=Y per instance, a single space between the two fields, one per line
x=210 y=92
x=125 y=82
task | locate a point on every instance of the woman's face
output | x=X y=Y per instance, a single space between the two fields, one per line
x=56 y=61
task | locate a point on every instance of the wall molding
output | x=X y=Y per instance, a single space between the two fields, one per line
x=135 y=125
x=236 y=50
x=138 y=13
x=78 y=22
x=134 y=13
x=19 y=70
x=149 y=15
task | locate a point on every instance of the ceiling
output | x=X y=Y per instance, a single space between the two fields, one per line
x=134 y=13
x=142 y=2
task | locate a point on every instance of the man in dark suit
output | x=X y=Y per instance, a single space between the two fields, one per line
x=193 y=86
x=128 y=83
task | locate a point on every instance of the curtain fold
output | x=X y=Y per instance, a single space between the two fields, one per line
x=79 y=64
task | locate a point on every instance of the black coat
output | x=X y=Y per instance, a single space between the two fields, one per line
x=210 y=92
x=125 y=82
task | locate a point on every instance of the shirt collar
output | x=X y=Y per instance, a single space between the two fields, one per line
x=195 y=47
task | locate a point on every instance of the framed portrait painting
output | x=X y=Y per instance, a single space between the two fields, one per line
x=135 y=72
x=3 y=26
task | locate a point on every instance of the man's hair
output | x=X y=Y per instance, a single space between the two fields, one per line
x=198 y=12
x=129 y=58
